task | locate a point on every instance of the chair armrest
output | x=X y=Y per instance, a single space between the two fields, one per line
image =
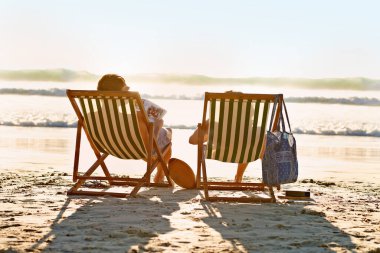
x=201 y=133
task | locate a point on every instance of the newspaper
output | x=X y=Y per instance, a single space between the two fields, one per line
x=153 y=111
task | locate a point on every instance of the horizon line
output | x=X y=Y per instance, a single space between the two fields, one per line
x=179 y=74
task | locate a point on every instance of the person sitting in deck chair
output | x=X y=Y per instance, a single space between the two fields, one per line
x=193 y=139
x=112 y=82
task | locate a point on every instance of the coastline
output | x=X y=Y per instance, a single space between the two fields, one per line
x=343 y=214
x=321 y=157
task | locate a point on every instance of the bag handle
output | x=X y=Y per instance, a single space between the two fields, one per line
x=287 y=117
x=273 y=111
x=282 y=120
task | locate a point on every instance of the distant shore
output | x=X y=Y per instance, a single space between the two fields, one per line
x=68 y=75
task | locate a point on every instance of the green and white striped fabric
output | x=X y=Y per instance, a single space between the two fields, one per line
x=236 y=129
x=113 y=126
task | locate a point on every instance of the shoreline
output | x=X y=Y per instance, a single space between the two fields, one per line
x=334 y=158
x=37 y=215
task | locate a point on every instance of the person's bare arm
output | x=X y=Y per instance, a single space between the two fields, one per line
x=194 y=137
x=158 y=124
x=143 y=128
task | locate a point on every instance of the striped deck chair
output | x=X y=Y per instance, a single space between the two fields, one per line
x=109 y=120
x=236 y=133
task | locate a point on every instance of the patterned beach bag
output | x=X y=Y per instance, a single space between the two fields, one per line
x=279 y=164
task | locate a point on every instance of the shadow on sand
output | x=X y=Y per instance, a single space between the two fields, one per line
x=103 y=224
x=275 y=228
x=149 y=223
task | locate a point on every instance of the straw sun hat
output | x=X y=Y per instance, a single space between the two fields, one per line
x=181 y=173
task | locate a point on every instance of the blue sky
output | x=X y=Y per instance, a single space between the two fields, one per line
x=268 y=38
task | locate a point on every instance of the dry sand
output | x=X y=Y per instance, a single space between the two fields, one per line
x=37 y=215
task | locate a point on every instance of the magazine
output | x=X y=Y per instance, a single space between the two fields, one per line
x=153 y=111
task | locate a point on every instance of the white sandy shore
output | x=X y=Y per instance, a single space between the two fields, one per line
x=37 y=215
x=336 y=158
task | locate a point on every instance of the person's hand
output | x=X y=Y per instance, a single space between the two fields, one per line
x=153 y=112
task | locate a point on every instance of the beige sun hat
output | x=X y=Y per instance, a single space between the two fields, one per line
x=181 y=173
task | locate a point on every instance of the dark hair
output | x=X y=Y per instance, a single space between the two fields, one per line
x=111 y=82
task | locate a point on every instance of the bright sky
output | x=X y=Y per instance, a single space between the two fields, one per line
x=269 y=38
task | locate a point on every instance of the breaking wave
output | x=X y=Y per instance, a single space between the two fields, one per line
x=296 y=130
x=345 y=101
x=345 y=132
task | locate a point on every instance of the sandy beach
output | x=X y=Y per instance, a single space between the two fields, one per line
x=36 y=215
x=343 y=214
x=320 y=58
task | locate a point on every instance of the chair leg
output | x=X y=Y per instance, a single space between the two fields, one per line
x=271 y=192
x=146 y=177
x=205 y=185
x=200 y=155
x=104 y=167
x=96 y=152
x=145 y=181
x=106 y=172
x=164 y=163
x=166 y=172
x=228 y=186
x=91 y=170
x=198 y=179
x=77 y=151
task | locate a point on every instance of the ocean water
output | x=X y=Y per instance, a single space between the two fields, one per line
x=311 y=111
x=320 y=157
x=337 y=131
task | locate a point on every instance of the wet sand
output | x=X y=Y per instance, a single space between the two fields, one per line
x=343 y=214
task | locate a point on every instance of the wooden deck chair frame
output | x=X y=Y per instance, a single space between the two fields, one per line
x=151 y=154
x=238 y=97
